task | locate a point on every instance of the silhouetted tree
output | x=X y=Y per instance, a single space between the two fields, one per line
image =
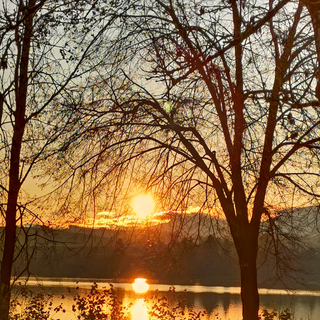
x=213 y=103
x=44 y=60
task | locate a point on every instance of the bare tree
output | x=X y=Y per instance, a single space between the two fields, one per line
x=46 y=53
x=211 y=103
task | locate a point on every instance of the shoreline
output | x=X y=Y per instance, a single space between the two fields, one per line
x=126 y=284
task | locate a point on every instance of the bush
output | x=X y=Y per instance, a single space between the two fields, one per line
x=103 y=304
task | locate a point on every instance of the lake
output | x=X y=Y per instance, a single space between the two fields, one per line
x=219 y=302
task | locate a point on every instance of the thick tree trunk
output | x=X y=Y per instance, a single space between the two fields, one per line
x=249 y=289
x=246 y=242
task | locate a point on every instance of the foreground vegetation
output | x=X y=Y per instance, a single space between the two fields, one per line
x=103 y=303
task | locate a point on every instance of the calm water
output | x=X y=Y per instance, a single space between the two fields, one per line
x=219 y=302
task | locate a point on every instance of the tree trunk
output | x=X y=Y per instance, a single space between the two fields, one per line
x=4 y=301
x=10 y=228
x=21 y=91
x=249 y=289
x=246 y=242
x=314 y=10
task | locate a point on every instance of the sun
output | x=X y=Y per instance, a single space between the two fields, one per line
x=143 y=205
x=140 y=285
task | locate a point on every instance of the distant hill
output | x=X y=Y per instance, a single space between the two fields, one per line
x=191 y=248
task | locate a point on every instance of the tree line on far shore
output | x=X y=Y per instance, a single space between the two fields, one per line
x=122 y=256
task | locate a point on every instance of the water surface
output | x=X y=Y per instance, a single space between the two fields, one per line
x=219 y=302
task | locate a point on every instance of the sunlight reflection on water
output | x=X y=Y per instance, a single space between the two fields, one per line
x=139 y=310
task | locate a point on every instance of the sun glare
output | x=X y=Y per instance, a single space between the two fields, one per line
x=143 y=205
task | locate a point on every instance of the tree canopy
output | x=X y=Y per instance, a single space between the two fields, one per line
x=213 y=103
x=46 y=53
